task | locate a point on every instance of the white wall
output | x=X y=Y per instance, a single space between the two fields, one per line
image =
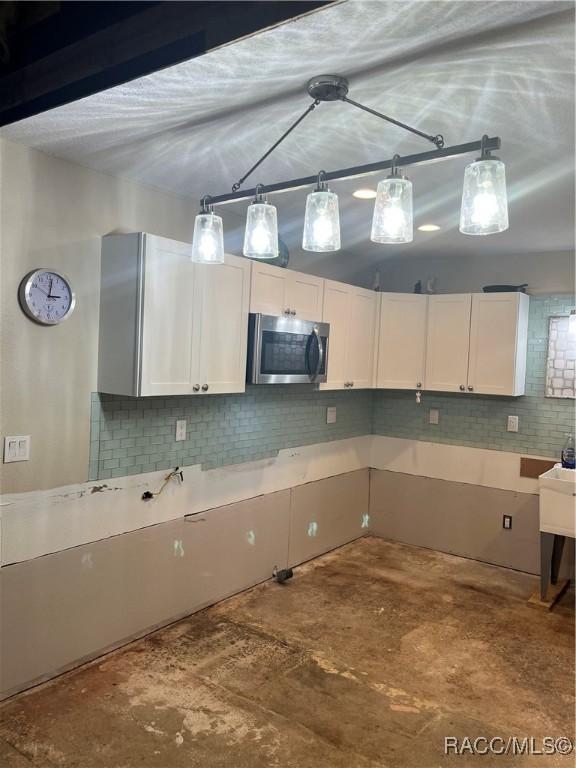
x=545 y=273
x=53 y=214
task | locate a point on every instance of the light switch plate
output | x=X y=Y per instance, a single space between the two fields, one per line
x=180 y=430
x=331 y=415
x=434 y=416
x=512 y=424
x=16 y=448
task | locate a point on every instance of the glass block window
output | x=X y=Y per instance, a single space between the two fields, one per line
x=560 y=368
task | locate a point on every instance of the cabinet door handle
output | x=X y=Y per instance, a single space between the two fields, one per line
x=196 y=388
x=418 y=384
x=470 y=388
x=462 y=388
x=204 y=387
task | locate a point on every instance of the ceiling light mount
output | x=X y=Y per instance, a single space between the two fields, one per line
x=327 y=87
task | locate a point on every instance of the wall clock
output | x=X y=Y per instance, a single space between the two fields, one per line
x=46 y=296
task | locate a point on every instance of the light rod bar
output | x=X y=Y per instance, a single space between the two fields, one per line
x=311 y=108
x=438 y=140
x=361 y=170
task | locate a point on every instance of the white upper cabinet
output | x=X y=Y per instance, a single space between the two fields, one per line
x=336 y=312
x=477 y=343
x=269 y=291
x=168 y=278
x=447 y=342
x=351 y=313
x=305 y=295
x=223 y=301
x=277 y=291
x=498 y=343
x=362 y=337
x=171 y=327
x=402 y=341
x=168 y=326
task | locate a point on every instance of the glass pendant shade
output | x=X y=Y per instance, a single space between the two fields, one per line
x=321 y=222
x=484 y=208
x=392 y=221
x=208 y=239
x=261 y=235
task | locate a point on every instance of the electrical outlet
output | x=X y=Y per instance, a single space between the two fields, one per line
x=434 y=416
x=331 y=415
x=181 y=429
x=507 y=522
x=512 y=424
x=16 y=448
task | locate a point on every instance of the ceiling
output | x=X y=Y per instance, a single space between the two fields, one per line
x=457 y=68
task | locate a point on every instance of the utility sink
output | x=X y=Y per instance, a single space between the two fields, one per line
x=558 y=501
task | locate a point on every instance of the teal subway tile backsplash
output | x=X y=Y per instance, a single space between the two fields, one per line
x=138 y=435
x=480 y=422
x=134 y=435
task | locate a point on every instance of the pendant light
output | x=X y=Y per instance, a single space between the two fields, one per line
x=321 y=219
x=208 y=239
x=392 y=221
x=261 y=234
x=484 y=208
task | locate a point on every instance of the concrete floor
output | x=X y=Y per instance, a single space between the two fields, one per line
x=370 y=656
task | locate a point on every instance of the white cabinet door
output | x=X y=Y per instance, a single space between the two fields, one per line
x=278 y=291
x=221 y=331
x=305 y=296
x=361 y=338
x=336 y=312
x=167 y=307
x=269 y=289
x=447 y=342
x=497 y=364
x=402 y=341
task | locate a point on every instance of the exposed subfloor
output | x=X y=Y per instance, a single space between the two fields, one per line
x=370 y=656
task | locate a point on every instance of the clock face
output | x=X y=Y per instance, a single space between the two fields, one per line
x=46 y=297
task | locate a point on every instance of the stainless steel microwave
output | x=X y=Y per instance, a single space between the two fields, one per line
x=286 y=350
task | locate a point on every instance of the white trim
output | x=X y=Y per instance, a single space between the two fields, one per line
x=456 y=463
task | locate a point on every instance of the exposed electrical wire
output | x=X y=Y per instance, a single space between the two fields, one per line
x=177 y=473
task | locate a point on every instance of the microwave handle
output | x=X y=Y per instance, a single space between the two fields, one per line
x=316 y=335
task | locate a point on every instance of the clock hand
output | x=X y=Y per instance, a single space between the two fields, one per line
x=50 y=289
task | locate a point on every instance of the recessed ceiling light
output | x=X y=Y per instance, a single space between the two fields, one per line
x=429 y=228
x=364 y=194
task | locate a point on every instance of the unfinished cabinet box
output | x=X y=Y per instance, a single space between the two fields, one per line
x=402 y=341
x=477 y=343
x=277 y=291
x=351 y=312
x=168 y=326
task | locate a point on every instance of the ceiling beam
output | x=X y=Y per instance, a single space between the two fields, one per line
x=102 y=51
